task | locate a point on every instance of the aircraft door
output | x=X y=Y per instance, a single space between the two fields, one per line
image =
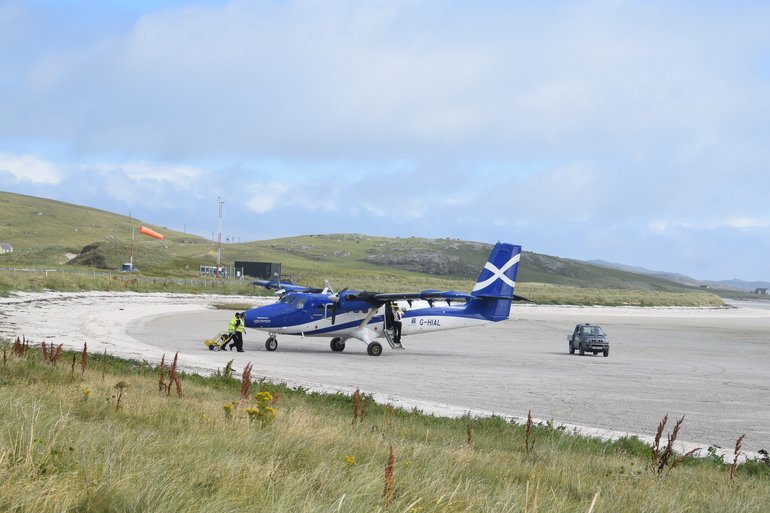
x=388 y=317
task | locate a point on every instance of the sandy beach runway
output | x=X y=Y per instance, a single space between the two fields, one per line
x=712 y=365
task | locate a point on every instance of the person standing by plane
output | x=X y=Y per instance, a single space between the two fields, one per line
x=240 y=329
x=397 y=324
x=234 y=321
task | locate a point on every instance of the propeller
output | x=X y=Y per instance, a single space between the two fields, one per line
x=335 y=299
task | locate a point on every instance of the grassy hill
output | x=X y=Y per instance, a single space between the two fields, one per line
x=48 y=233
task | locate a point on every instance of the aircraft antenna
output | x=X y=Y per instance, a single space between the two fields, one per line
x=219 y=236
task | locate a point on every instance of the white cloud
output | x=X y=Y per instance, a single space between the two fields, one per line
x=180 y=176
x=264 y=198
x=29 y=168
x=747 y=222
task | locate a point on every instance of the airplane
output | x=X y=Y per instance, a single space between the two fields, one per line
x=368 y=316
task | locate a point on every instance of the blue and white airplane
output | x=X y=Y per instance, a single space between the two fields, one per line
x=367 y=316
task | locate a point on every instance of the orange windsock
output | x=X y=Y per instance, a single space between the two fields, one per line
x=151 y=233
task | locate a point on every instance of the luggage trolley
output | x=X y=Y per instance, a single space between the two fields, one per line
x=219 y=342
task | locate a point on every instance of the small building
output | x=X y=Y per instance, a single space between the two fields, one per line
x=5 y=247
x=762 y=292
x=262 y=270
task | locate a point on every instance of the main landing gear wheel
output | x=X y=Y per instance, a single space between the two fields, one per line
x=271 y=344
x=337 y=344
x=374 y=349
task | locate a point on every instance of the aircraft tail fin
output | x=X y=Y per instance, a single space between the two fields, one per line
x=495 y=287
x=498 y=278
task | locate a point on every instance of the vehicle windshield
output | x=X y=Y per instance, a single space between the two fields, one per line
x=592 y=330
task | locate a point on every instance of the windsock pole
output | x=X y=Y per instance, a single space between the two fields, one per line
x=132 y=248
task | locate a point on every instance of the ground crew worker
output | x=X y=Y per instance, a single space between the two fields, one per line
x=240 y=329
x=231 y=331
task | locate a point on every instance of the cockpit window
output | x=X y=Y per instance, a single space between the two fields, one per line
x=289 y=299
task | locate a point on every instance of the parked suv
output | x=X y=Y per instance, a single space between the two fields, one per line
x=588 y=338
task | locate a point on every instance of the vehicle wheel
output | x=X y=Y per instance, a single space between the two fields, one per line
x=571 y=348
x=374 y=349
x=596 y=352
x=271 y=344
x=582 y=351
x=606 y=352
x=337 y=344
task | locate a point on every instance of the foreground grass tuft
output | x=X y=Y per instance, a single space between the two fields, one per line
x=109 y=440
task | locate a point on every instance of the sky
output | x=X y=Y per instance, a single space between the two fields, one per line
x=635 y=132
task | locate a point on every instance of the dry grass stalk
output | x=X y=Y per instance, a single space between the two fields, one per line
x=121 y=387
x=737 y=453
x=469 y=430
x=668 y=451
x=662 y=460
x=656 y=443
x=18 y=349
x=683 y=458
x=162 y=380
x=178 y=384
x=51 y=355
x=5 y=357
x=593 y=503
x=529 y=441
x=363 y=409
x=174 y=378
x=72 y=369
x=84 y=358
x=56 y=354
x=104 y=364
x=389 y=477
x=356 y=400
x=246 y=383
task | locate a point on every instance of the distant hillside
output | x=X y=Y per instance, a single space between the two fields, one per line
x=48 y=232
x=738 y=285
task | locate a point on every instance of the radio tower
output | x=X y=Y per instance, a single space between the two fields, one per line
x=219 y=238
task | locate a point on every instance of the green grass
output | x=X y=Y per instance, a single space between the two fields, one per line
x=66 y=446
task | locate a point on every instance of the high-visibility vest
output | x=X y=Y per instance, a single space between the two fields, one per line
x=239 y=327
x=231 y=326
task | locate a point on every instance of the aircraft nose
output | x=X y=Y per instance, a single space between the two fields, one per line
x=264 y=316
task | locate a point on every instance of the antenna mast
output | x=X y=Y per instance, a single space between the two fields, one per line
x=219 y=236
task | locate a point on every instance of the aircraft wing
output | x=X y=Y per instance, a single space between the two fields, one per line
x=378 y=297
x=286 y=287
x=423 y=294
